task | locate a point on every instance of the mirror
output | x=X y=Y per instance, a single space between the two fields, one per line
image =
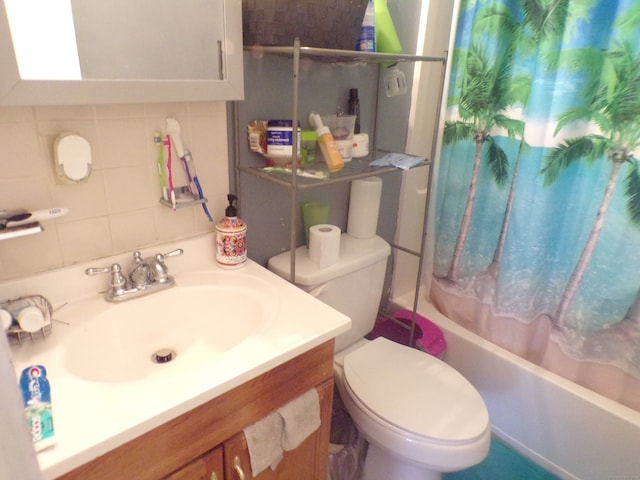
x=146 y=45
x=92 y=51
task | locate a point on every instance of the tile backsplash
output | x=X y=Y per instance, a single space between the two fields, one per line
x=117 y=209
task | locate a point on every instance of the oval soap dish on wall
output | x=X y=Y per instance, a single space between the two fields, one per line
x=72 y=156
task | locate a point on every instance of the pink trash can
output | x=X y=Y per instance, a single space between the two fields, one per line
x=428 y=336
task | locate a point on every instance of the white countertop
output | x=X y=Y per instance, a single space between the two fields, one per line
x=93 y=417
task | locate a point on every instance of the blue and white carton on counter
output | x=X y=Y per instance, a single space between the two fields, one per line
x=36 y=394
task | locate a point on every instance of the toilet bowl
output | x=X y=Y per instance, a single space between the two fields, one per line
x=419 y=415
x=422 y=415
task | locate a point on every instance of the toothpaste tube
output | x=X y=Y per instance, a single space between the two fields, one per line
x=36 y=395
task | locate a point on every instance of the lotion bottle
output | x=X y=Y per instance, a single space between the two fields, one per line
x=327 y=144
x=231 y=238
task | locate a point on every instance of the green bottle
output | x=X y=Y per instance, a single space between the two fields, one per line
x=387 y=40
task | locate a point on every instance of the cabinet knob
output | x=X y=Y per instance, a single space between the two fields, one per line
x=213 y=476
x=238 y=468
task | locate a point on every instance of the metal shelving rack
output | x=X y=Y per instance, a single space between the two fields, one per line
x=357 y=168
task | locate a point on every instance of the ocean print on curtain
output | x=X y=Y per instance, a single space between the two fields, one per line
x=538 y=196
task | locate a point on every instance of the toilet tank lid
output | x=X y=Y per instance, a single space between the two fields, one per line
x=355 y=254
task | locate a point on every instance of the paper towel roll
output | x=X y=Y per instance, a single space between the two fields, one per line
x=324 y=244
x=364 y=207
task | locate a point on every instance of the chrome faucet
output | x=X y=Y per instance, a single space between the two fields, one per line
x=147 y=275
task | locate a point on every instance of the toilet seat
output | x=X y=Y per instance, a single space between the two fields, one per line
x=415 y=392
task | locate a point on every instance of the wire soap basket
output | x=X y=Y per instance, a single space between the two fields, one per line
x=15 y=333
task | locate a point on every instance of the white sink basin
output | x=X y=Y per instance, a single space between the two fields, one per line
x=202 y=317
x=226 y=327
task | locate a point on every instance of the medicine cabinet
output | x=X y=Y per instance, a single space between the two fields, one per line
x=55 y=52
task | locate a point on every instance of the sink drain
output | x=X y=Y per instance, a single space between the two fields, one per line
x=163 y=355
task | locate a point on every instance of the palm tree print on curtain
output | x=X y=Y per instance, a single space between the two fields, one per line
x=538 y=195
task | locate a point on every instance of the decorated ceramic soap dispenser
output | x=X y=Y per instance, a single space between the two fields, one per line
x=231 y=238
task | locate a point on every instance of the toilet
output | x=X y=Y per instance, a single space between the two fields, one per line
x=419 y=415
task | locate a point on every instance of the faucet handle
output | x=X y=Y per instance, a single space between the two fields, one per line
x=159 y=269
x=137 y=258
x=173 y=253
x=118 y=280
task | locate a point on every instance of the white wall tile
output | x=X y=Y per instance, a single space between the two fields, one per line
x=163 y=110
x=24 y=255
x=128 y=188
x=133 y=230
x=84 y=200
x=120 y=111
x=16 y=114
x=116 y=133
x=20 y=148
x=84 y=240
x=174 y=224
x=30 y=193
x=65 y=112
x=117 y=208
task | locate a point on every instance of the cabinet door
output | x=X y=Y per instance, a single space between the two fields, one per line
x=162 y=51
x=308 y=461
x=208 y=467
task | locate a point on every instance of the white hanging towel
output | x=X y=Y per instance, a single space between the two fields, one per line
x=301 y=418
x=264 y=441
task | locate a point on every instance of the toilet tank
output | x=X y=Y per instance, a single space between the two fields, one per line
x=353 y=285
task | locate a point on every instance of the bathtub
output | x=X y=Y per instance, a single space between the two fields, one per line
x=568 y=430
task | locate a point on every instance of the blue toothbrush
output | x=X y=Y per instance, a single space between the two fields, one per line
x=194 y=182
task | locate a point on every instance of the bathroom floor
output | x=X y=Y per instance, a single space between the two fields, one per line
x=503 y=463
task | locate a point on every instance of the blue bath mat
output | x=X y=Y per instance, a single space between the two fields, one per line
x=503 y=463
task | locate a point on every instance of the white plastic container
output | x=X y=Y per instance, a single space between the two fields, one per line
x=27 y=315
x=360 y=145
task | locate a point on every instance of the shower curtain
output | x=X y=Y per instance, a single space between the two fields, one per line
x=537 y=227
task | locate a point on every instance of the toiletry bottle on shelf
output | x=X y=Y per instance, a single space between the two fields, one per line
x=327 y=144
x=354 y=108
x=387 y=40
x=231 y=238
x=367 y=39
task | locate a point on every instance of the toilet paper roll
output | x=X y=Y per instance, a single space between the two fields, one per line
x=324 y=244
x=364 y=207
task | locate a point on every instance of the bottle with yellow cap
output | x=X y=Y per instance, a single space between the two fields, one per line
x=327 y=144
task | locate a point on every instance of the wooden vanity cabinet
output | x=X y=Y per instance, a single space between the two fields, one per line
x=209 y=466
x=206 y=440
x=308 y=461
